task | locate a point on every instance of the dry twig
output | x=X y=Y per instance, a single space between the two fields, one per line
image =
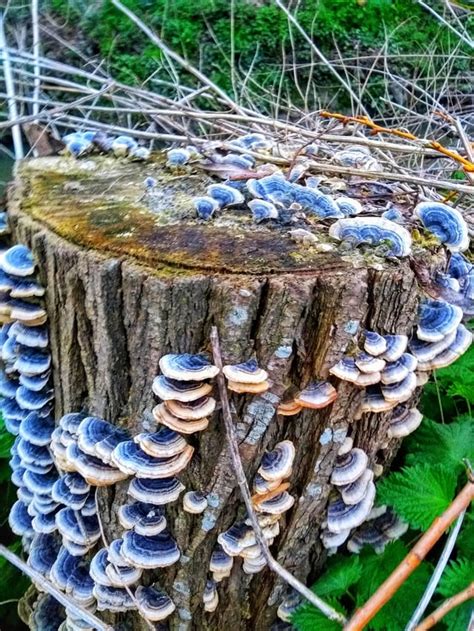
x=326 y=609
x=446 y=607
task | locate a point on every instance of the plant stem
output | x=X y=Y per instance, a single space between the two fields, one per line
x=446 y=607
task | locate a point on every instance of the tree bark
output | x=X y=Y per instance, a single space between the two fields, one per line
x=127 y=282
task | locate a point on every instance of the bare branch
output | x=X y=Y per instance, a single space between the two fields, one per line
x=448 y=605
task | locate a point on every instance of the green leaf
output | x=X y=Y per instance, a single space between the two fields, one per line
x=375 y=569
x=341 y=573
x=465 y=541
x=419 y=493
x=308 y=618
x=433 y=443
x=456 y=577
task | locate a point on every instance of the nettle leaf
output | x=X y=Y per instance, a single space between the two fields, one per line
x=465 y=541
x=341 y=573
x=434 y=443
x=376 y=568
x=456 y=577
x=419 y=493
x=308 y=618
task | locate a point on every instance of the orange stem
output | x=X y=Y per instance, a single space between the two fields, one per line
x=446 y=607
x=413 y=559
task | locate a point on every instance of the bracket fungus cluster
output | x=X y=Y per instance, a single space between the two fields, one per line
x=81 y=143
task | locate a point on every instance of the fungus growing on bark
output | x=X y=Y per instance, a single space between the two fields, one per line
x=289 y=408
x=349 y=467
x=342 y=516
x=205 y=206
x=145 y=519
x=346 y=369
x=155 y=604
x=194 y=502
x=155 y=491
x=32 y=362
x=263 y=210
x=129 y=458
x=396 y=346
x=317 y=395
x=373 y=231
x=399 y=369
x=19 y=519
x=122 y=575
x=191 y=410
x=254 y=141
x=220 y=564
x=98 y=438
x=274 y=505
x=210 y=597
x=116 y=599
x=446 y=223
x=97 y=568
x=84 y=531
x=62 y=494
x=161 y=444
x=33 y=400
x=367 y=363
x=186 y=367
x=43 y=552
x=355 y=492
x=349 y=206
x=459 y=345
x=17 y=261
x=177 y=157
x=63 y=568
x=262 y=486
x=93 y=469
x=33 y=337
x=122 y=146
x=172 y=389
x=331 y=540
x=277 y=464
x=162 y=415
x=225 y=195
x=436 y=319
x=404 y=421
x=149 y=552
x=400 y=391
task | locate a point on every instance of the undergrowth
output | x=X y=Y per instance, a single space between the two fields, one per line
x=431 y=472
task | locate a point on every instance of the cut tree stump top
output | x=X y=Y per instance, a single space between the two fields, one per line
x=101 y=203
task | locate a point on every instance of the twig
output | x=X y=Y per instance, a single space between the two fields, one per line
x=446 y=607
x=461 y=36
x=10 y=88
x=413 y=559
x=326 y=609
x=36 y=54
x=173 y=55
x=48 y=587
x=435 y=578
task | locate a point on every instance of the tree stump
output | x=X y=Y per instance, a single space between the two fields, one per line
x=131 y=275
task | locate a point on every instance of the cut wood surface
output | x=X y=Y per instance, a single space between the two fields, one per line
x=131 y=276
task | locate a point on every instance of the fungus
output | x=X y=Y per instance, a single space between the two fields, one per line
x=62 y=494
x=132 y=460
x=116 y=599
x=145 y=519
x=355 y=492
x=74 y=548
x=332 y=540
x=220 y=564
x=149 y=552
x=205 y=206
x=396 y=346
x=459 y=266
x=240 y=160
x=191 y=410
x=342 y=516
x=35 y=382
x=390 y=524
x=346 y=446
x=367 y=379
x=44 y=523
x=93 y=430
x=71 y=422
x=316 y=395
x=155 y=491
x=172 y=389
x=31 y=362
x=80 y=586
x=161 y=444
x=64 y=567
x=17 y=261
x=177 y=157
x=43 y=552
x=40 y=483
x=82 y=530
x=446 y=223
x=155 y=604
x=368 y=535
x=253 y=566
x=436 y=319
x=349 y=467
x=400 y=391
x=368 y=363
x=225 y=195
x=122 y=146
x=33 y=337
x=289 y=408
x=164 y=416
x=277 y=464
x=399 y=369
x=246 y=372
x=248 y=388
x=27 y=288
x=263 y=210
x=346 y=369
x=33 y=400
x=20 y=520
x=92 y=469
x=404 y=421
x=274 y=188
x=262 y=486
x=459 y=345
x=26 y=312
x=30 y=453
x=210 y=596
x=8 y=386
x=97 y=568
x=374 y=401
x=275 y=505
x=46 y=615
x=114 y=554
x=194 y=502
x=349 y=206
x=187 y=367
x=254 y=141
x=123 y=575
x=374 y=231
x=374 y=343
x=236 y=538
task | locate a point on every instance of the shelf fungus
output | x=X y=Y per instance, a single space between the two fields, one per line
x=205 y=206
x=194 y=502
x=225 y=195
x=17 y=261
x=144 y=519
x=331 y=540
x=84 y=531
x=346 y=369
x=191 y=410
x=246 y=377
x=446 y=223
x=377 y=533
x=342 y=516
x=436 y=319
x=187 y=367
x=161 y=444
x=149 y=552
x=277 y=464
x=131 y=460
x=154 y=603
x=220 y=564
x=461 y=343
x=289 y=408
x=396 y=346
x=172 y=389
x=404 y=421
x=99 y=438
x=177 y=157
x=162 y=415
x=317 y=395
x=210 y=597
x=349 y=467
x=400 y=391
x=367 y=363
x=355 y=492
x=155 y=491
x=274 y=504
x=116 y=599
x=263 y=210
x=399 y=369
x=374 y=231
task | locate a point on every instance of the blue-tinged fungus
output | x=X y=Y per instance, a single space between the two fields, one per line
x=62 y=493
x=29 y=452
x=32 y=362
x=367 y=536
x=191 y=410
x=457 y=347
x=172 y=389
x=163 y=416
x=374 y=401
x=436 y=319
x=262 y=486
x=274 y=188
x=205 y=206
x=35 y=382
x=31 y=336
x=149 y=552
x=236 y=538
x=40 y=483
x=332 y=540
x=97 y=568
x=130 y=459
x=186 y=367
x=33 y=400
x=79 y=529
x=446 y=223
x=8 y=386
x=116 y=599
x=154 y=604
x=404 y=421
x=155 y=491
x=122 y=146
x=373 y=231
x=349 y=467
x=396 y=346
x=400 y=391
x=246 y=372
x=225 y=195
x=123 y=576
x=114 y=554
x=275 y=504
x=161 y=444
x=92 y=469
x=316 y=395
x=44 y=523
x=47 y=614
x=80 y=586
x=145 y=519
x=19 y=519
x=71 y=422
x=348 y=206
x=210 y=597
x=177 y=157
x=367 y=363
x=254 y=141
x=342 y=516
x=355 y=492
x=43 y=552
x=99 y=438
x=17 y=261
x=399 y=369
x=194 y=502
x=263 y=210
x=459 y=266
x=277 y=464
x=27 y=288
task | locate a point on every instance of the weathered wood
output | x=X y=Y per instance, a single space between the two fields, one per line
x=129 y=280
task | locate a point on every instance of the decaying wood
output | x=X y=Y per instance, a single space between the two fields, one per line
x=123 y=290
